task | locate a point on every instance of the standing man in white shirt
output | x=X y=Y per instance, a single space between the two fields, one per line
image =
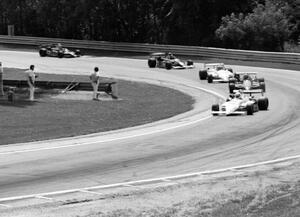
x=95 y=80
x=1 y=80
x=31 y=76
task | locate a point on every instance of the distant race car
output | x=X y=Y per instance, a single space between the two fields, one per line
x=215 y=72
x=246 y=81
x=56 y=50
x=240 y=104
x=168 y=61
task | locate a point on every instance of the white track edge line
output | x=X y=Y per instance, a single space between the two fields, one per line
x=145 y=181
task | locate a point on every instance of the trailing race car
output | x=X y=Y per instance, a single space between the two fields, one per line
x=215 y=72
x=239 y=104
x=56 y=50
x=168 y=61
x=246 y=81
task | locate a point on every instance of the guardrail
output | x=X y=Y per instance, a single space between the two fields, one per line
x=204 y=52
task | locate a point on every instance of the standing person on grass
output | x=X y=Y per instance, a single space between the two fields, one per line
x=95 y=80
x=31 y=76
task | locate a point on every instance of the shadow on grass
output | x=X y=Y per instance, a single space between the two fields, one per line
x=21 y=103
x=20 y=98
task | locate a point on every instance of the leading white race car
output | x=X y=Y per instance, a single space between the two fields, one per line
x=239 y=104
x=215 y=72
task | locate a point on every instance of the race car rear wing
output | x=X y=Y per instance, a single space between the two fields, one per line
x=246 y=73
x=184 y=67
x=254 y=91
x=212 y=64
x=232 y=113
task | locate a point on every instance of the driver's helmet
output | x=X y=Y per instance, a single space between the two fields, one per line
x=171 y=56
x=219 y=68
x=237 y=95
x=246 y=77
x=231 y=96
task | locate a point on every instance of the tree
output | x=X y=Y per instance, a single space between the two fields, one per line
x=192 y=22
x=267 y=28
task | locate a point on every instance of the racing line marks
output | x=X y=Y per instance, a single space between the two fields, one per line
x=134 y=184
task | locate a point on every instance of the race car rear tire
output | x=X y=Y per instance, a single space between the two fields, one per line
x=202 y=74
x=249 y=109
x=168 y=65
x=263 y=103
x=263 y=86
x=78 y=52
x=232 y=80
x=215 y=108
x=60 y=55
x=210 y=79
x=189 y=63
x=43 y=53
x=231 y=87
x=230 y=69
x=152 y=63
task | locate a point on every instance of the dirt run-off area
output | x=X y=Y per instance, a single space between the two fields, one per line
x=262 y=191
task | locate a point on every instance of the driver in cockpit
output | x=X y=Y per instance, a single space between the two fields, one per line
x=170 y=56
x=238 y=95
x=247 y=82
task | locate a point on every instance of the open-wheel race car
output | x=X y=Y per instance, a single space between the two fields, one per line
x=215 y=72
x=240 y=104
x=246 y=81
x=56 y=50
x=168 y=61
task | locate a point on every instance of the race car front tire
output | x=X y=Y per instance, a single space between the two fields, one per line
x=168 y=65
x=215 y=108
x=263 y=103
x=151 y=63
x=261 y=79
x=210 y=79
x=43 y=53
x=189 y=63
x=202 y=74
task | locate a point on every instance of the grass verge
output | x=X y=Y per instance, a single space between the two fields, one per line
x=49 y=118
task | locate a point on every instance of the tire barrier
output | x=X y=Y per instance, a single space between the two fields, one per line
x=195 y=51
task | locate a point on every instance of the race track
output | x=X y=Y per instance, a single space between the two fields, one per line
x=212 y=143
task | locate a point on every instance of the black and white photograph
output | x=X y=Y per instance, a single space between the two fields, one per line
x=149 y=108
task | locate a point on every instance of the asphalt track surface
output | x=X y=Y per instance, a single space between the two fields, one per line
x=212 y=143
